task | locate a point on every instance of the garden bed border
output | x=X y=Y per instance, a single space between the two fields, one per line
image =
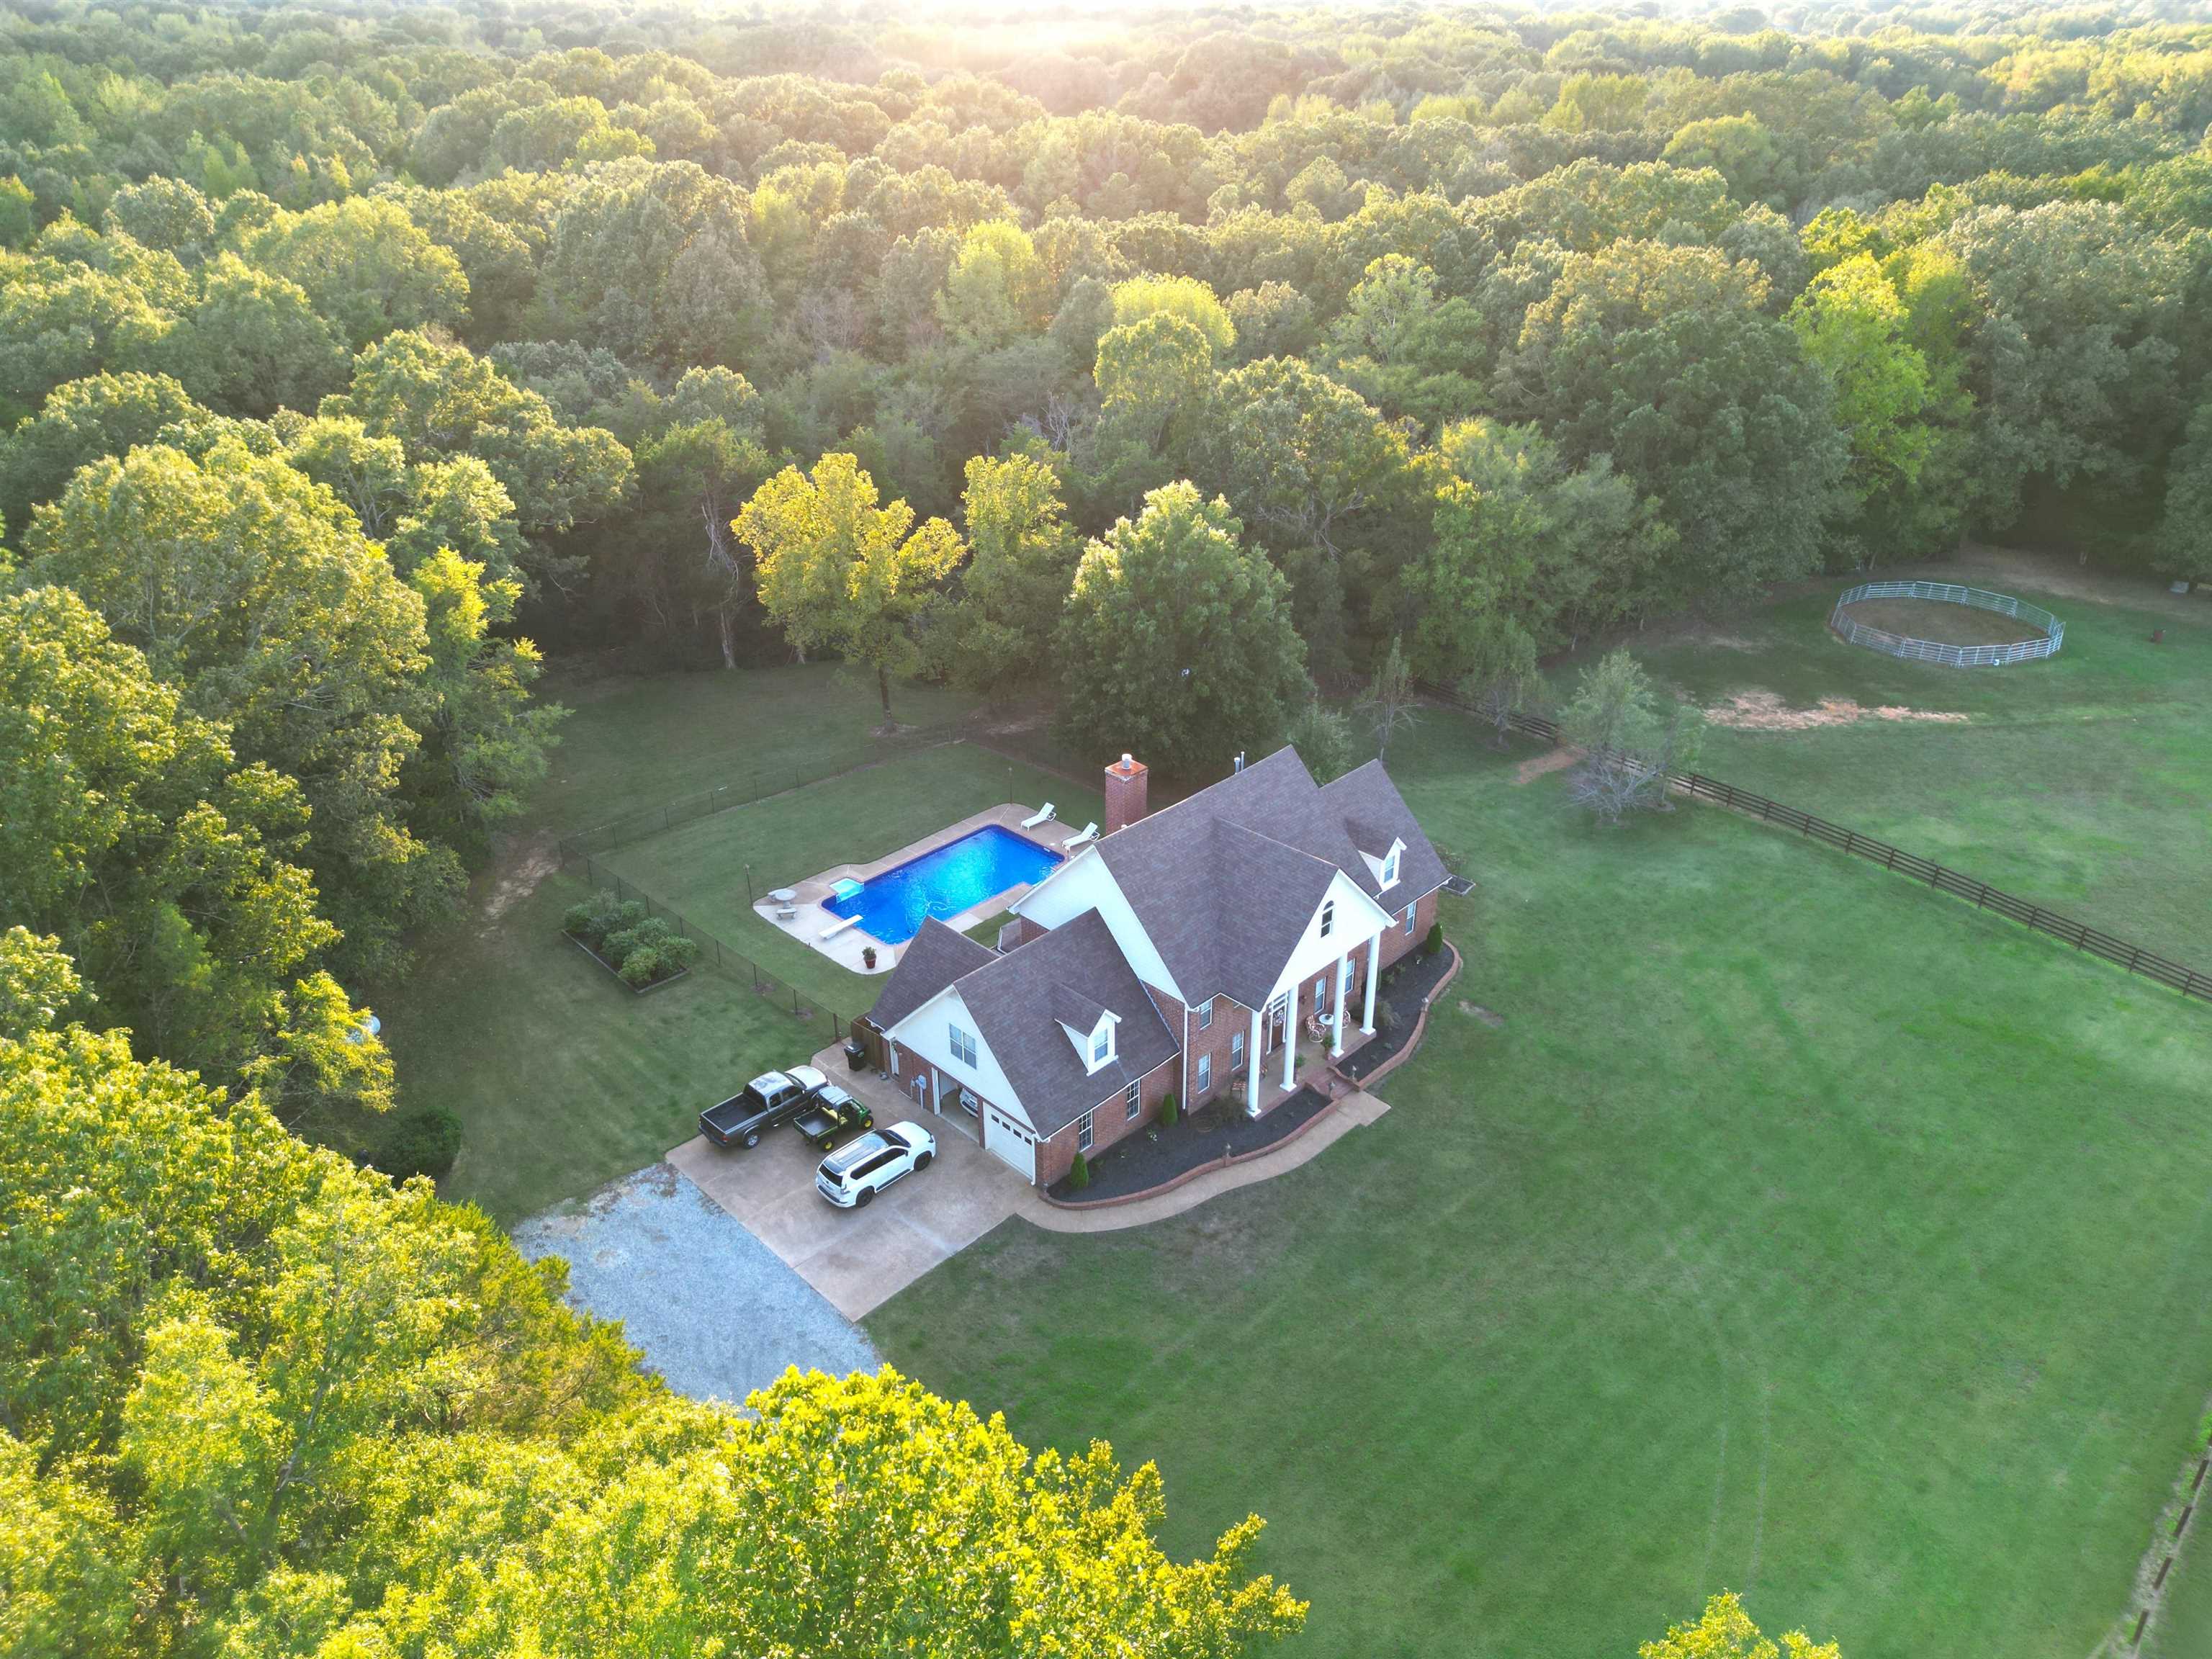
x=635 y=990
x=1229 y=1160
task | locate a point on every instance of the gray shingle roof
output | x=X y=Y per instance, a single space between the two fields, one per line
x=933 y=958
x=1225 y=880
x=1018 y=999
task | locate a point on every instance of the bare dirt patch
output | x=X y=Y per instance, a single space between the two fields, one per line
x=1552 y=760
x=1488 y=1016
x=516 y=876
x=1764 y=711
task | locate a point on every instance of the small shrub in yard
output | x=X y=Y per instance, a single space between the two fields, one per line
x=604 y=913
x=640 y=967
x=1167 y=1111
x=424 y=1140
x=1079 y=1173
x=1435 y=941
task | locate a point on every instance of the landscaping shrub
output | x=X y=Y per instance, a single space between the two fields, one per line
x=424 y=1140
x=639 y=947
x=1167 y=1116
x=1079 y=1173
x=1435 y=941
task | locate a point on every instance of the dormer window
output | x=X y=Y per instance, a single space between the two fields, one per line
x=1390 y=867
x=1328 y=918
x=1102 y=1044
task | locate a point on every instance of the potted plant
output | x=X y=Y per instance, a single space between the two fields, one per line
x=868 y=956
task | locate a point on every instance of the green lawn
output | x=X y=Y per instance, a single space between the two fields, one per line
x=562 y=1080
x=562 y=1077
x=632 y=743
x=700 y=867
x=1800 y=1231
x=2078 y=782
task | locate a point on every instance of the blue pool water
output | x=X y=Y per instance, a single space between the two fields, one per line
x=892 y=906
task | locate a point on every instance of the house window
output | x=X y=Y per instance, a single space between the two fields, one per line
x=1205 y=1073
x=1102 y=1045
x=1320 y=995
x=1083 y=1134
x=1205 y=1016
x=964 y=1045
x=1328 y=919
x=1409 y=919
x=1390 y=868
x=1133 y=1102
x=1236 y=1051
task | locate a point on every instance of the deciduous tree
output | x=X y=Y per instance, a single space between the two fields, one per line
x=838 y=569
x=1177 y=641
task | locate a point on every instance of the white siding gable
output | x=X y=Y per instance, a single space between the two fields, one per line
x=1357 y=919
x=1086 y=883
x=926 y=1032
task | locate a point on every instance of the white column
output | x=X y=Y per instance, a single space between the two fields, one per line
x=1336 y=1015
x=1290 y=1037
x=1252 y=1068
x=1374 y=966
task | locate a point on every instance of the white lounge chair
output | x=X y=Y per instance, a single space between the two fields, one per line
x=1089 y=832
x=1043 y=816
x=836 y=926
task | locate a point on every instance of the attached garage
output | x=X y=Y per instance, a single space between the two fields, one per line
x=1013 y=1143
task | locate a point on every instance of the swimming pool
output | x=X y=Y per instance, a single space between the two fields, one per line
x=956 y=877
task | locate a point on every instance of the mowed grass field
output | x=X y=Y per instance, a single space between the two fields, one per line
x=1799 y=1231
x=563 y=1078
x=2079 y=782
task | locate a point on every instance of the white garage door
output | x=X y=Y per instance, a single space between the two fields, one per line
x=1012 y=1143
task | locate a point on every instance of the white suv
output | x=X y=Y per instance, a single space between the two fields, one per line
x=853 y=1174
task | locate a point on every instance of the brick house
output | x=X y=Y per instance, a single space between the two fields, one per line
x=1185 y=951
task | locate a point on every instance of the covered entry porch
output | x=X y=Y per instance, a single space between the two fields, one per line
x=1314 y=1019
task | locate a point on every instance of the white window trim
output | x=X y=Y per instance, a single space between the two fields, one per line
x=1205 y=1016
x=1328 y=918
x=1412 y=910
x=1133 y=1102
x=1205 y=1073
x=1389 y=878
x=1083 y=1136
x=962 y=1043
x=1235 y=1051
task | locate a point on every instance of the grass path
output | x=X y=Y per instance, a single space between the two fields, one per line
x=1800 y=1232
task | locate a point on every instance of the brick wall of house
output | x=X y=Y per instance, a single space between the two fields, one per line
x=1398 y=941
x=1108 y=1123
x=1229 y=1018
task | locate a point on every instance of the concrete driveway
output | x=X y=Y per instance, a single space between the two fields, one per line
x=859 y=1259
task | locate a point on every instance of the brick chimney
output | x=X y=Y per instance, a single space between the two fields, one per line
x=1125 y=792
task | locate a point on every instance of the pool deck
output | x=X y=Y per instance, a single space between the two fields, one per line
x=843 y=945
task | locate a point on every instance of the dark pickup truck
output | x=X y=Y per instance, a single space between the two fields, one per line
x=832 y=1117
x=771 y=1098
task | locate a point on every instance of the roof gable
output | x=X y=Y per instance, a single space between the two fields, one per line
x=1225 y=880
x=933 y=958
x=1018 y=1000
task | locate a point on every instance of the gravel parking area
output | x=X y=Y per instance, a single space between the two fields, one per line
x=716 y=1312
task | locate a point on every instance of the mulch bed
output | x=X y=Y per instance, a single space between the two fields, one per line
x=1139 y=1162
x=1405 y=987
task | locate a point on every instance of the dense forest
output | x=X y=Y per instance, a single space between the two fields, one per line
x=1219 y=358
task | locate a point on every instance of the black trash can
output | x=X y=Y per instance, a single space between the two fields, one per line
x=856 y=1054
